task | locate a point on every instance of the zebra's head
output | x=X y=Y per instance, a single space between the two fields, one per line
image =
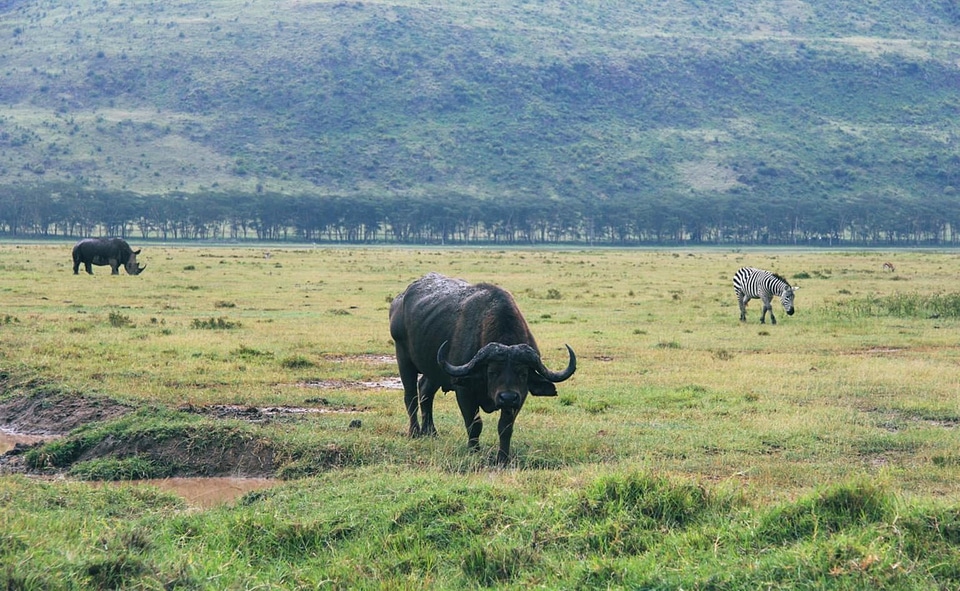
x=786 y=298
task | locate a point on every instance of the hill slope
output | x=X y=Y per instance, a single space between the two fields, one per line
x=569 y=100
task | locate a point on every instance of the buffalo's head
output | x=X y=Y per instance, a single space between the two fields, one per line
x=131 y=266
x=509 y=371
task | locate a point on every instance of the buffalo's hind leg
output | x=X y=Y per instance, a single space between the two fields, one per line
x=427 y=390
x=408 y=375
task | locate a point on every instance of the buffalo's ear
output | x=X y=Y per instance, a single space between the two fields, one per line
x=471 y=379
x=540 y=387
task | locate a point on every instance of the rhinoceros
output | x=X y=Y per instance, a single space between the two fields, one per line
x=106 y=251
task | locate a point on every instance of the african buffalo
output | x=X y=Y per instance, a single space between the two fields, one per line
x=106 y=251
x=471 y=339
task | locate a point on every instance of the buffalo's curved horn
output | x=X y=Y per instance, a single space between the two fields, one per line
x=558 y=376
x=458 y=371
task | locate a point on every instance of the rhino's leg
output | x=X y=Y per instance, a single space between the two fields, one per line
x=114 y=267
x=89 y=268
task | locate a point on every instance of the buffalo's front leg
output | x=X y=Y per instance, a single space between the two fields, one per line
x=505 y=427
x=471 y=419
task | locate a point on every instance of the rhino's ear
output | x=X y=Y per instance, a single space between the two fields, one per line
x=137 y=251
x=540 y=387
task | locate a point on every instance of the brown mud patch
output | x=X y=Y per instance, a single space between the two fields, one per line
x=37 y=435
x=363 y=358
x=381 y=384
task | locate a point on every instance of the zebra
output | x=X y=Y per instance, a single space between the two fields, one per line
x=752 y=283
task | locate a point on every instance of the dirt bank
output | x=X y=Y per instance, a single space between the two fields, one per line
x=119 y=445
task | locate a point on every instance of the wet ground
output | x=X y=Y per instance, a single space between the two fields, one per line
x=202 y=493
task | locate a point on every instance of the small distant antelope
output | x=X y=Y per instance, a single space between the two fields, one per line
x=889 y=267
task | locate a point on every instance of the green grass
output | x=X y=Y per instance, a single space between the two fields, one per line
x=689 y=450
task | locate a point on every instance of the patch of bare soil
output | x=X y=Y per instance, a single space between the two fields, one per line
x=256 y=414
x=234 y=457
x=56 y=414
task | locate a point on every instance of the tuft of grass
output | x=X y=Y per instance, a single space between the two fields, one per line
x=130 y=468
x=907 y=305
x=828 y=512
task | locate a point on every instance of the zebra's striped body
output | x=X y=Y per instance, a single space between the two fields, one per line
x=752 y=283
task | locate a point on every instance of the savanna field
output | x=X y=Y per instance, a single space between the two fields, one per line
x=688 y=451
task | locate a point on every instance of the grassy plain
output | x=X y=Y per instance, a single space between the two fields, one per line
x=689 y=450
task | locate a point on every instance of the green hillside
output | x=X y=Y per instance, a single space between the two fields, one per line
x=773 y=110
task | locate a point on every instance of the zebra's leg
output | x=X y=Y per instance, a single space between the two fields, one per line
x=742 y=300
x=767 y=308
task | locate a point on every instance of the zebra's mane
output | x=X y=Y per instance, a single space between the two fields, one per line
x=778 y=276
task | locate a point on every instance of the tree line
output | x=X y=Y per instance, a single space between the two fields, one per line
x=58 y=210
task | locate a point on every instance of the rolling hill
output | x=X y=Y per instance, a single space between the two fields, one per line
x=831 y=107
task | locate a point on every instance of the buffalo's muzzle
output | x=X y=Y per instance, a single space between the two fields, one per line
x=509 y=400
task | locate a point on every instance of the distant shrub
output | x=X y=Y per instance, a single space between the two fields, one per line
x=246 y=352
x=214 y=323
x=553 y=294
x=119 y=320
x=802 y=275
x=224 y=304
x=722 y=355
x=190 y=268
x=297 y=362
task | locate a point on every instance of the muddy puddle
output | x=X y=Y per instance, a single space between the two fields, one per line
x=9 y=440
x=204 y=493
